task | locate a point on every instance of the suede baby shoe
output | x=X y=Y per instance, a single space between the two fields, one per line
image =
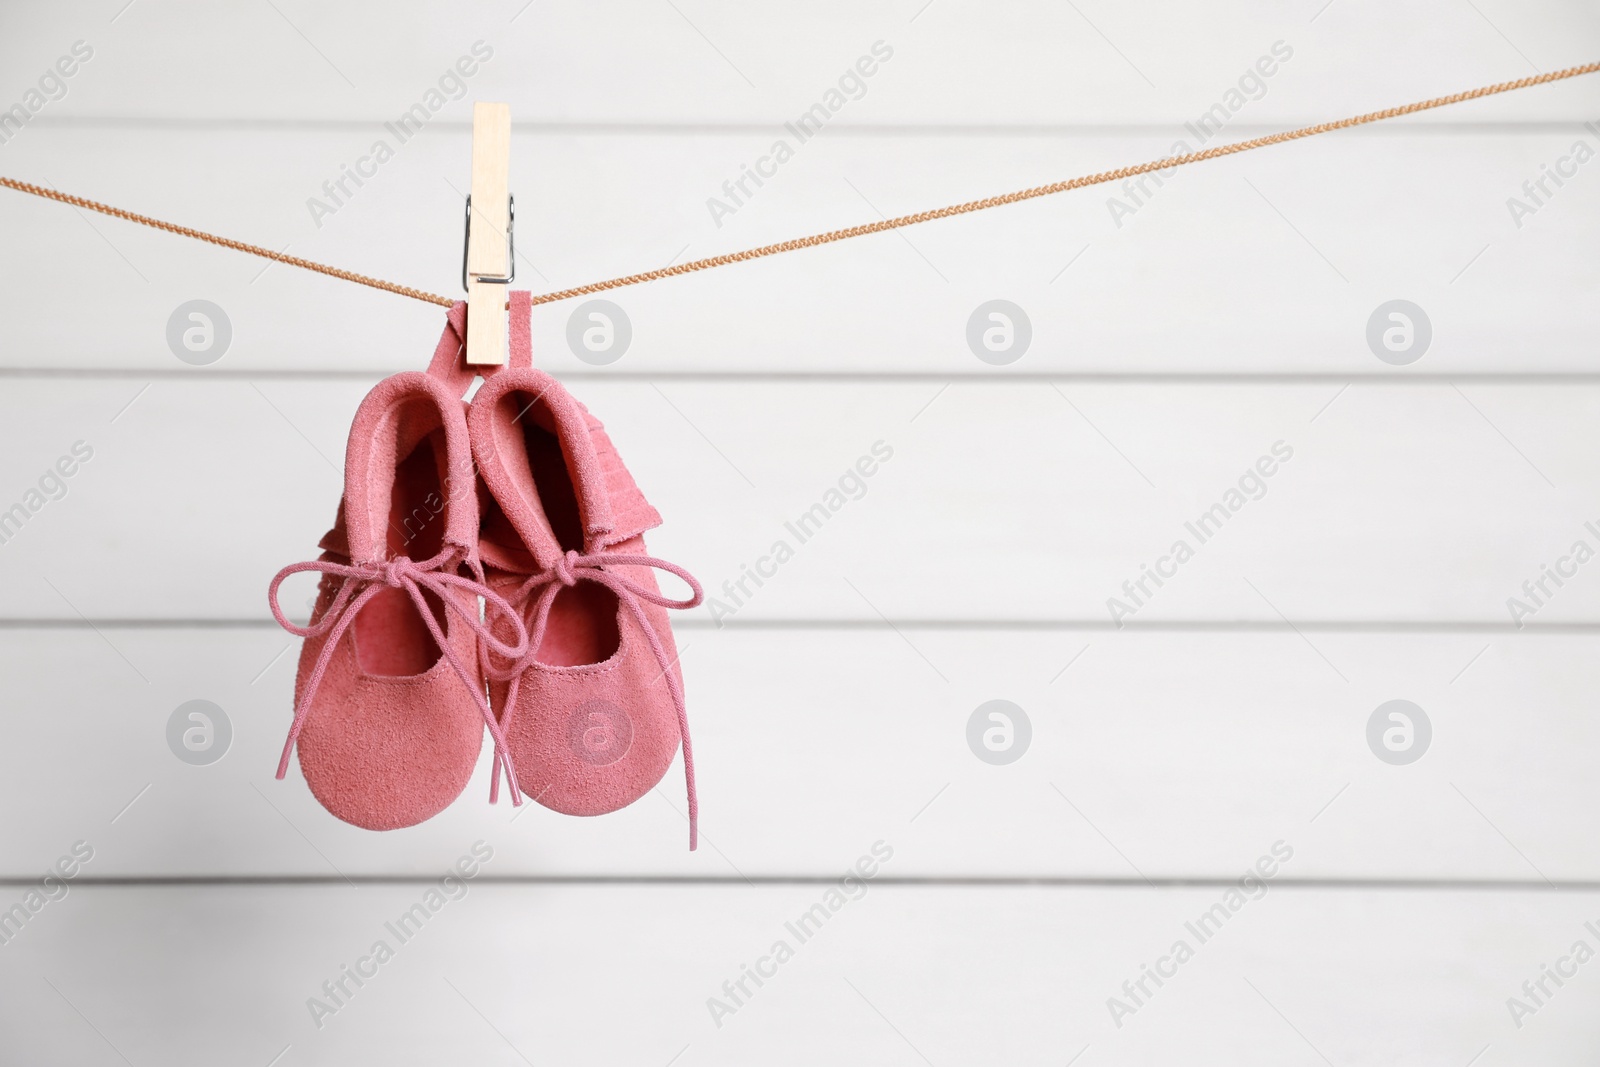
x=390 y=703
x=594 y=711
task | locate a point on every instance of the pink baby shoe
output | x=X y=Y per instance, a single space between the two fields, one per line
x=594 y=711
x=390 y=703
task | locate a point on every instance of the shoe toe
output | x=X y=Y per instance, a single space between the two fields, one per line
x=385 y=753
x=591 y=742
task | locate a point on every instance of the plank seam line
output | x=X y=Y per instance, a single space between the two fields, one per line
x=911 y=881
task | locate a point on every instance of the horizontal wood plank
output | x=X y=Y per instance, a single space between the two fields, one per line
x=1159 y=756
x=1038 y=501
x=957 y=61
x=897 y=976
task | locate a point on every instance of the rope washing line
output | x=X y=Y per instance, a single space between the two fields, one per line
x=831 y=236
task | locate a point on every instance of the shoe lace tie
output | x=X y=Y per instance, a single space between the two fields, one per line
x=567 y=571
x=359 y=583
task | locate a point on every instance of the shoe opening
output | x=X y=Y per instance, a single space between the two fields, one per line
x=583 y=619
x=390 y=639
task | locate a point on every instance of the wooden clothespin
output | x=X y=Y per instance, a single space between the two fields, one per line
x=488 y=262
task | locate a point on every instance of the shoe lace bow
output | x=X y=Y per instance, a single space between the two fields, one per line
x=359 y=583
x=537 y=594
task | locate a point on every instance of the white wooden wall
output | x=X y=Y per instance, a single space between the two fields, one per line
x=1169 y=353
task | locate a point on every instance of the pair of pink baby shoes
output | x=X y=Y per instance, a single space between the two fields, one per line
x=487 y=569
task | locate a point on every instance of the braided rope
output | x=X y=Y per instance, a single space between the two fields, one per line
x=225 y=242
